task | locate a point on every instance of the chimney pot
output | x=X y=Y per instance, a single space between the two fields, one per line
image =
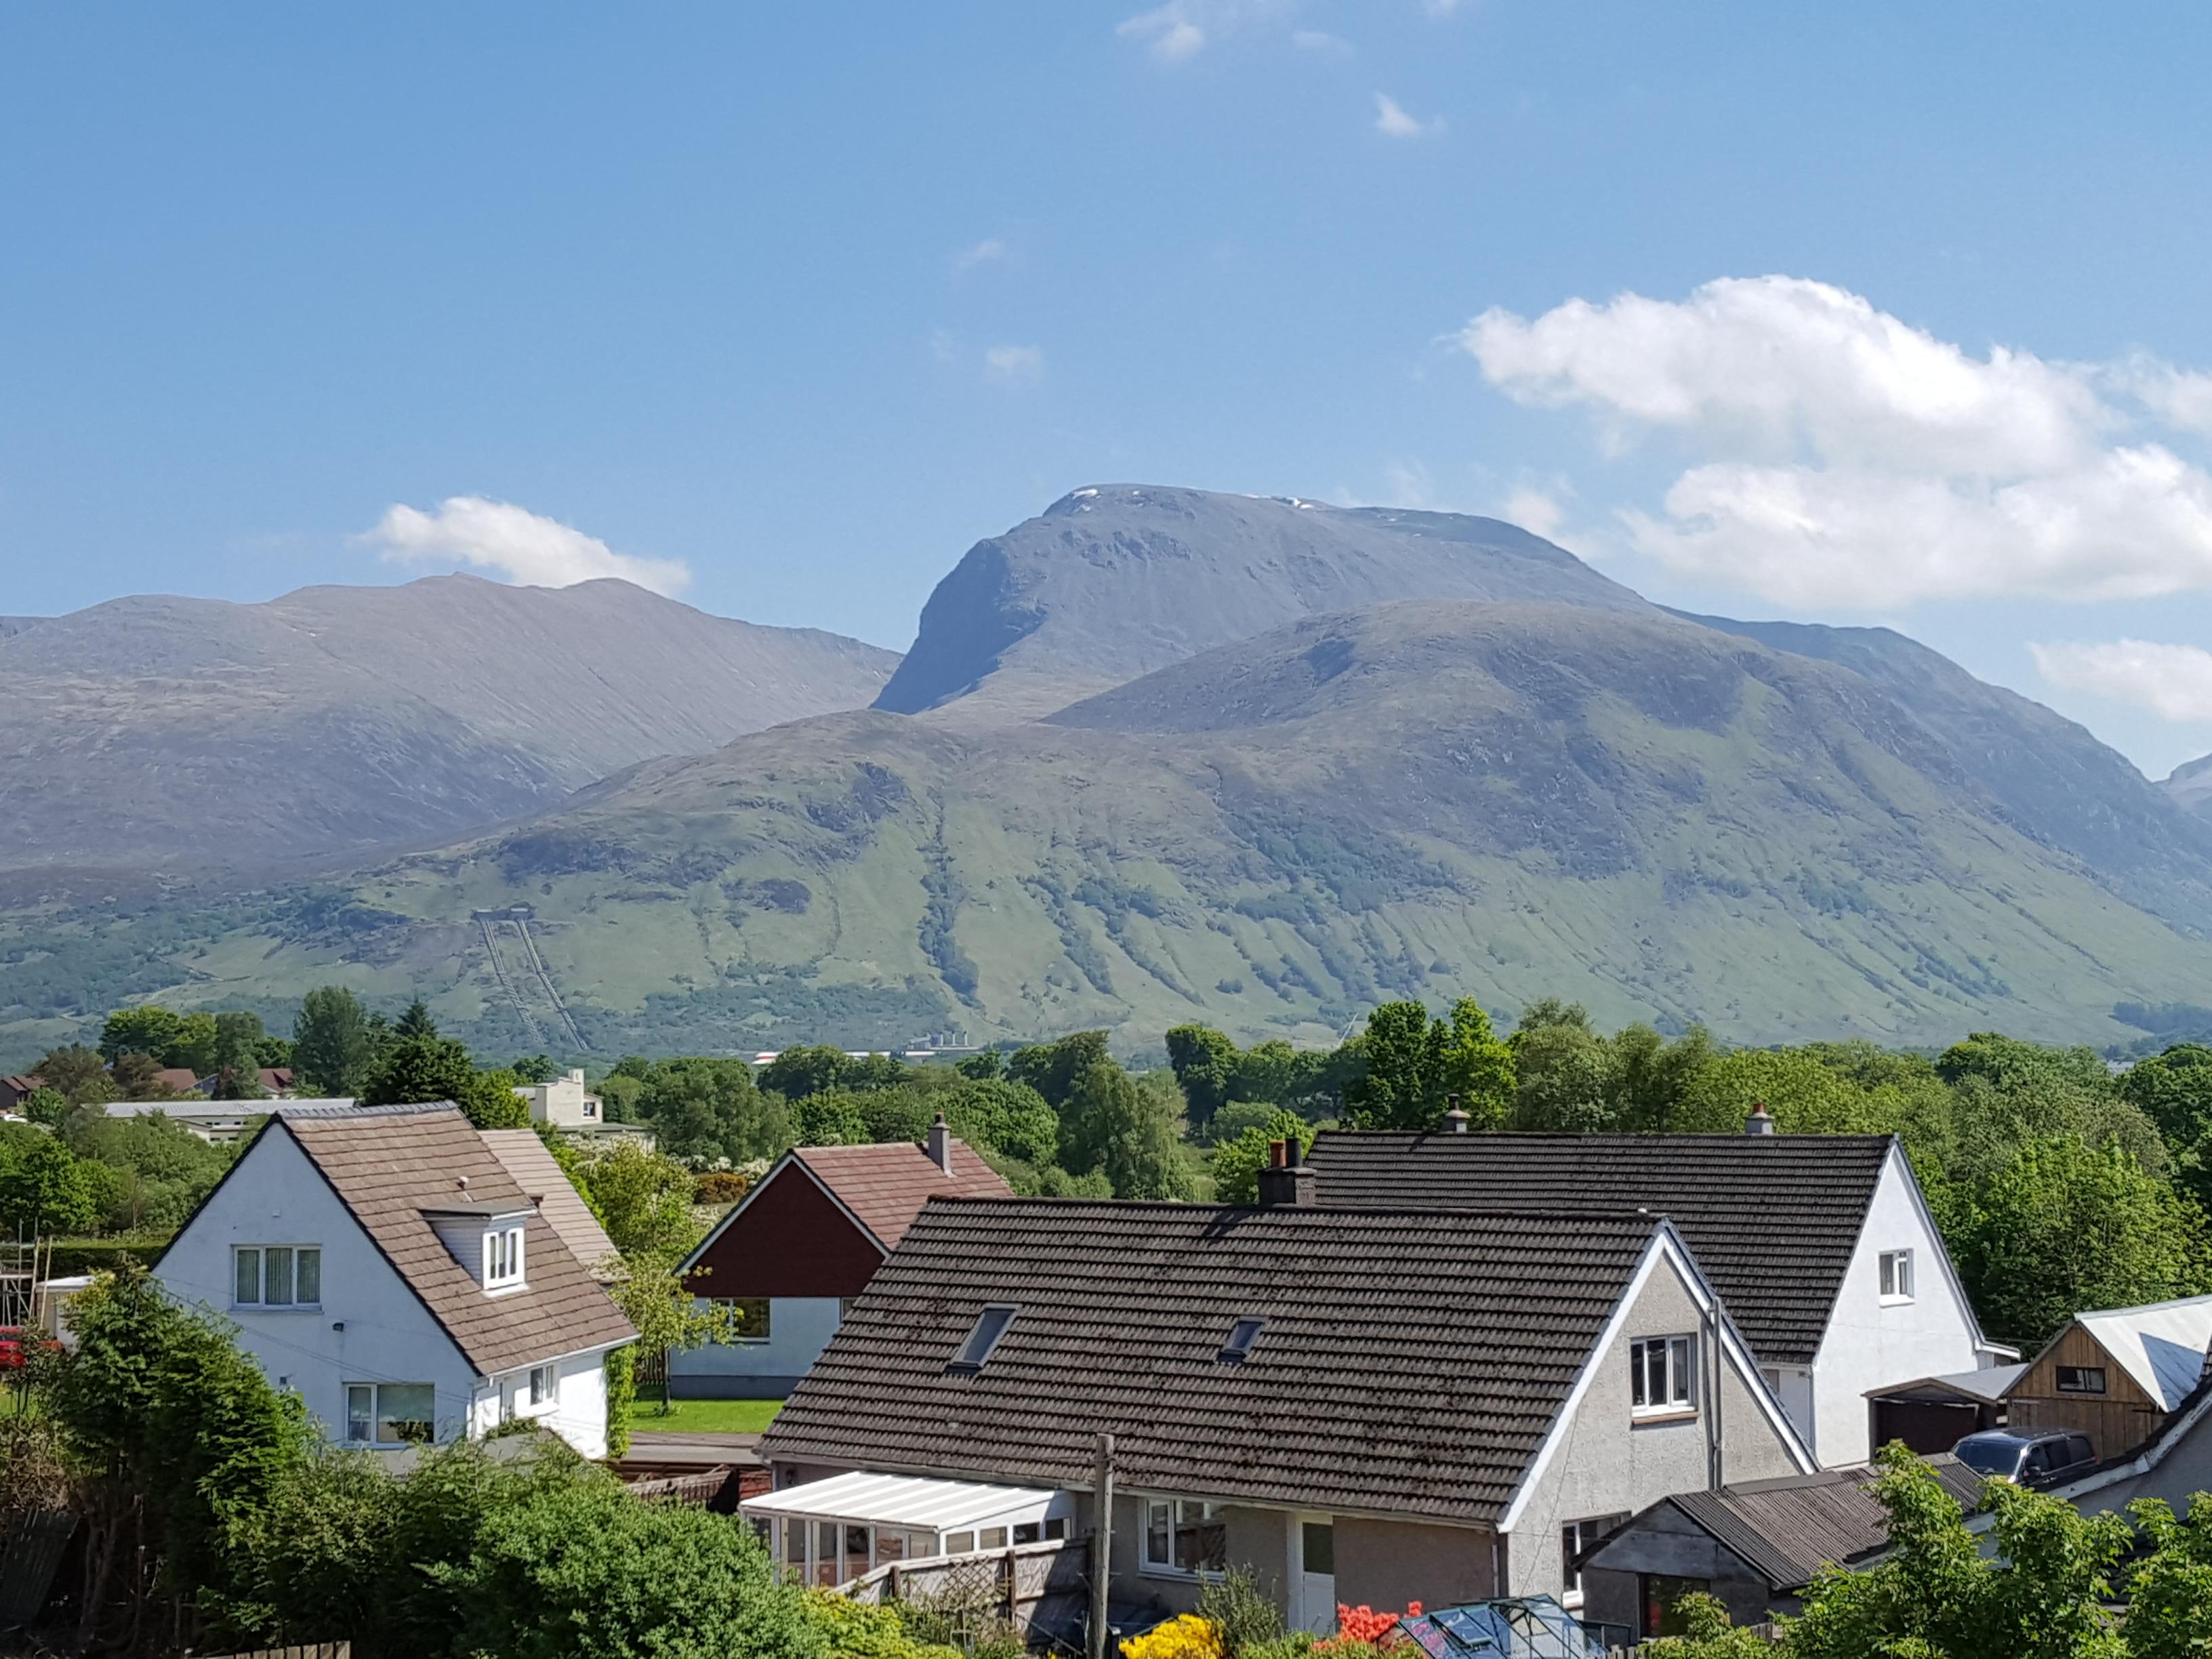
x=1278 y=1156
x=1761 y=1121
x=1294 y=1151
x=940 y=1144
x=1456 y=1119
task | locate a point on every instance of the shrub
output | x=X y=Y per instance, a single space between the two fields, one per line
x=1244 y=1613
x=856 y=1630
x=719 y=1186
x=1188 y=1636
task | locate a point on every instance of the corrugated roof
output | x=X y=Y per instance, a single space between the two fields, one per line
x=898 y=1500
x=389 y=1164
x=1773 y=1219
x=1411 y=1363
x=2161 y=1345
x=1788 y=1530
x=527 y=1158
x=885 y=1185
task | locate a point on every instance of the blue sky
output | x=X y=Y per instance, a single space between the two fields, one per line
x=794 y=304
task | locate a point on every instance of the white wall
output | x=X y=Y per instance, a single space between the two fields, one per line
x=799 y=1327
x=577 y=1412
x=276 y=1196
x=1869 y=1345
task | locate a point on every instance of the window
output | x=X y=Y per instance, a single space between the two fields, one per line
x=1574 y=1538
x=959 y=1543
x=276 y=1276
x=1182 y=1535
x=1242 y=1335
x=503 y=1257
x=390 y=1413
x=1662 y=1597
x=829 y=1535
x=990 y=1325
x=1897 y=1275
x=991 y=1538
x=750 y=1317
x=1664 y=1374
x=2080 y=1379
x=542 y=1387
x=794 y=1552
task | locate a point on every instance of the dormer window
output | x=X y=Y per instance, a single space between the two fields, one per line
x=1242 y=1335
x=502 y=1258
x=990 y=1325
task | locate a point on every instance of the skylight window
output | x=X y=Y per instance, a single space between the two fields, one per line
x=1242 y=1335
x=990 y=1325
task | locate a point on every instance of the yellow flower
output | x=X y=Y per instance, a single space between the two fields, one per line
x=1187 y=1638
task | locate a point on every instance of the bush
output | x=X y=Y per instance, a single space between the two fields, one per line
x=1188 y=1636
x=719 y=1186
x=856 y=1630
x=1245 y=1614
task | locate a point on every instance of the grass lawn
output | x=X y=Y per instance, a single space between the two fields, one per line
x=703 y=1416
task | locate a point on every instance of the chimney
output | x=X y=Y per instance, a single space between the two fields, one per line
x=1456 y=1119
x=1761 y=1121
x=1286 y=1180
x=940 y=1144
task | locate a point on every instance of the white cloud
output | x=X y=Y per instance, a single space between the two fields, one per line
x=1392 y=121
x=1014 y=364
x=1168 y=31
x=2174 y=681
x=1319 y=40
x=990 y=248
x=516 y=543
x=1533 y=509
x=1844 y=457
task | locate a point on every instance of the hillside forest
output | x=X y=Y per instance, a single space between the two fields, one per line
x=2059 y=1183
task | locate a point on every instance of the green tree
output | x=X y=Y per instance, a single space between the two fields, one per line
x=147 y=1029
x=1653 y=1083
x=1204 y=1063
x=1707 y=1634
x=414 y=1023
x=643 y=1199
x=414 y=1069
x=237 y=1059
x=160 y=1169
x=1053 y=1069
x=331 y=1044
x=986 y=1066
x=809 y=1069
x=47 y=1106
x=534 y=1068
x=2066 y=1227
x=1009 y=1119
x=1129 y=1130
x=43 y=1189
x=2170 y=1592
x=138 y=1076
x=489 y=1101
x=1236 y=1164
x=708 y=1108
x=1478 y=1067
x=1403 y=1087
x=78 y=1072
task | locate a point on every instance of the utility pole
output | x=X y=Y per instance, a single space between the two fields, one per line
x=1102 y=1542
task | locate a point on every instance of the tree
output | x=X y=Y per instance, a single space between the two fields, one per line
x=78 y=1072
x=534 y=1068
x=237 y=1058
x=1204 y=1063
x=1707 y=1634
x=43 y=1187
x=415 y=1023
x=1477 y=1067
x=643 y=1198
x=2170 y=1593
x=1236 y=1164
x=330 y=1046
x=418 y=1068
x=708 y=1108
x=985 y=1066
x=1128 y=1130
x=2067 y=1227
x=806 y=1070
x=49 y=1107
x=1009 y=1119
x=193 y=1047
x=1653 y=1083
x=1403 y=1087
x=1053 y=1069
x=149 y=1029
x=669 y=1316
x=138 y=1076
x=488 y=1100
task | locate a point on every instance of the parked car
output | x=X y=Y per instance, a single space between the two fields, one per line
x=11 y=1347
x=2003 y=1455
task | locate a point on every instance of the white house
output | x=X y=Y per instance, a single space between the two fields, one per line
x=564 y=1103
x=1822 y=1246
x=382 y=1262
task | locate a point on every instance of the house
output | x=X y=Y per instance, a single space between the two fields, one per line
x=180 y=1079
x=1822 y=1245
x=525 y=1157
x=1753 y=1545
x=277 y=1083
x=564 y=1103
x=217 y=1120
x=1361 y=1407
x=2116 y=1375
x=2174 y=1462
x=382 y=1262
x=15 y=1089
x=803 y=1242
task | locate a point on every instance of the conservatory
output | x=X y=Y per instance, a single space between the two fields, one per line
x=831 y=1532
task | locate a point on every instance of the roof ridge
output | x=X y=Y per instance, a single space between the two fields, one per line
x=325 y=1112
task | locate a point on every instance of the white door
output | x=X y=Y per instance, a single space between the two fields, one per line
x=1313 y=1567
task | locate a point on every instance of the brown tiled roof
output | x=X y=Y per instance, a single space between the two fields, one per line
x=886 y=1185
x=389 y=1164
x=1788 y=1530
x=526 y=1158
x=1409 y=1364
x=1773 y=1219
x=18 y=1086
x=182 y=1078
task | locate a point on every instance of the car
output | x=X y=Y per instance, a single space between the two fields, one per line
x=2023 y=1455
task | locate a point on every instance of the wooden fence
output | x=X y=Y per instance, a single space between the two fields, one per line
x=1033 y=1587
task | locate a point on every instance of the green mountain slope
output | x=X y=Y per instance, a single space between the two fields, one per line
x=1419 y=799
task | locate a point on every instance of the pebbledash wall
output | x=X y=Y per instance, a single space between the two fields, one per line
x=798 y=1328
x=370 y=1327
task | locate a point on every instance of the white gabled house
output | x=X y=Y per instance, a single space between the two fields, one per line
x=385 y=1265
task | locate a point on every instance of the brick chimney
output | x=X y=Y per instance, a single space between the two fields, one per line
x=940 y=1144
x=1286 y=1180
x=1761 y=1121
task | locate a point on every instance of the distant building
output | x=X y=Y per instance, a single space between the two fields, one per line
x=216 y=1121
x=564 y=1103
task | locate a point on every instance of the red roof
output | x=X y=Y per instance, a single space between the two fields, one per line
x=885 y=1185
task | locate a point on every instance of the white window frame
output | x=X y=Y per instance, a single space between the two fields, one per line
x=1894 y=1276
x=1575 y=1537
x=502 y=1258
x=1214 y=1515
x=293 y=1303
x=375 y=1392
x=2082 y=1374
x=544 y=1385
x=1676 y=1394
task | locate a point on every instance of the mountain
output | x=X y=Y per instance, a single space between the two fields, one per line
x=1115 y=581
x=1659 y=818
x=174 y=734
x=2190 y=787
